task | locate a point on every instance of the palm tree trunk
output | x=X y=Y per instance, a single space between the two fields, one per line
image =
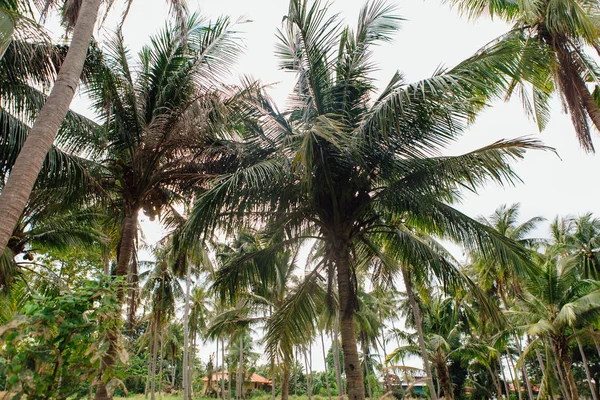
x=191 y=364
x=186 y=332
x=495 y=379
x=161 y=357
x=444 y=377
x=523 y=369
x=506 y=388
x=565 y=363
x=336 y=356
x=419 y=325
x=240 y=377
x=217 y=366
x=124 y=254
x=273 y=376
x=223 y=369
x=154 y=356
x=149 y=369
x=174 y=374
x=285 y=381
x=514 y=375
x=28 y=164
x=347 y=301
x=308 y=375
x=385 y=381
x=587 y=369
x=558 y=372
x=325 y=364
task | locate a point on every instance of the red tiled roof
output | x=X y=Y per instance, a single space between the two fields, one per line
x=255 y=378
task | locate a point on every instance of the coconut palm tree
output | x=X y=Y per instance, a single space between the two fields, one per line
x=159 y=116
x=344 y=164
x=81 y=16
x=259 y=272
x=162 y=288
x=578 y=239
x=552 y=37
x=442 y=328
x=550 y=308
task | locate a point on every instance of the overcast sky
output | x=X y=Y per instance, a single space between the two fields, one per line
x=432 y=35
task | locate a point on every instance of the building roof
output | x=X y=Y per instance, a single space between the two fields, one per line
x=254 y=378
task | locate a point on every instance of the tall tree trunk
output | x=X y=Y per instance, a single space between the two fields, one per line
x=366 y=363
x=154 y=357
x=191 y=366
x=240 y=378
x=174 y=374
x=124 y=254
x=419 y=325
x=514 y=374
x=384 y=363
x=336 y=357
x=161 y=358
x=149 y=369
x=273 y=376
x=587 y=369
x=186 y=332
x=28 y=164
x=523 y=369
x=308 y=375
x=558 y=372
x=565 y=363
x=495 y=379
x=223 y=369
x=506 y=388
x=325 y=364
x=285 y=381
x=347 y=301
x=217 y=367
x=444 y=376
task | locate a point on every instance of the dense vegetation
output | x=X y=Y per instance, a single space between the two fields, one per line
x=322 y=226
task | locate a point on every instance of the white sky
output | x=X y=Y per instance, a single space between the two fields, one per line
x=433 y=35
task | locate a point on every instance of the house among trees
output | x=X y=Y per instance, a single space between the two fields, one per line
x=251 y=382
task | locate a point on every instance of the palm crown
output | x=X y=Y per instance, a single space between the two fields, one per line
x=343 y=165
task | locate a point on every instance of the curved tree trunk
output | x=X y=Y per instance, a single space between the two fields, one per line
x=419 y=325
x=28 y=164
x=124 y=254
x=347 y=300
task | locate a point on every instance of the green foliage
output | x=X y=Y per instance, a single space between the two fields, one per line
x=54 y=348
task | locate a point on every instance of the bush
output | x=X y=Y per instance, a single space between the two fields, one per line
x=256 y=393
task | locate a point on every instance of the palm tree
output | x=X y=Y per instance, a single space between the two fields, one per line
x=15 y=193
x=553 y=303
x=258 y=272
x=578 y=239
x=341 y=166
x=499 y=280
x=551 y=37
x=162 y=288
x=159 y=114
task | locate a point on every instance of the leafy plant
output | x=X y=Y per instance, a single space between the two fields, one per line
x=56 y=345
